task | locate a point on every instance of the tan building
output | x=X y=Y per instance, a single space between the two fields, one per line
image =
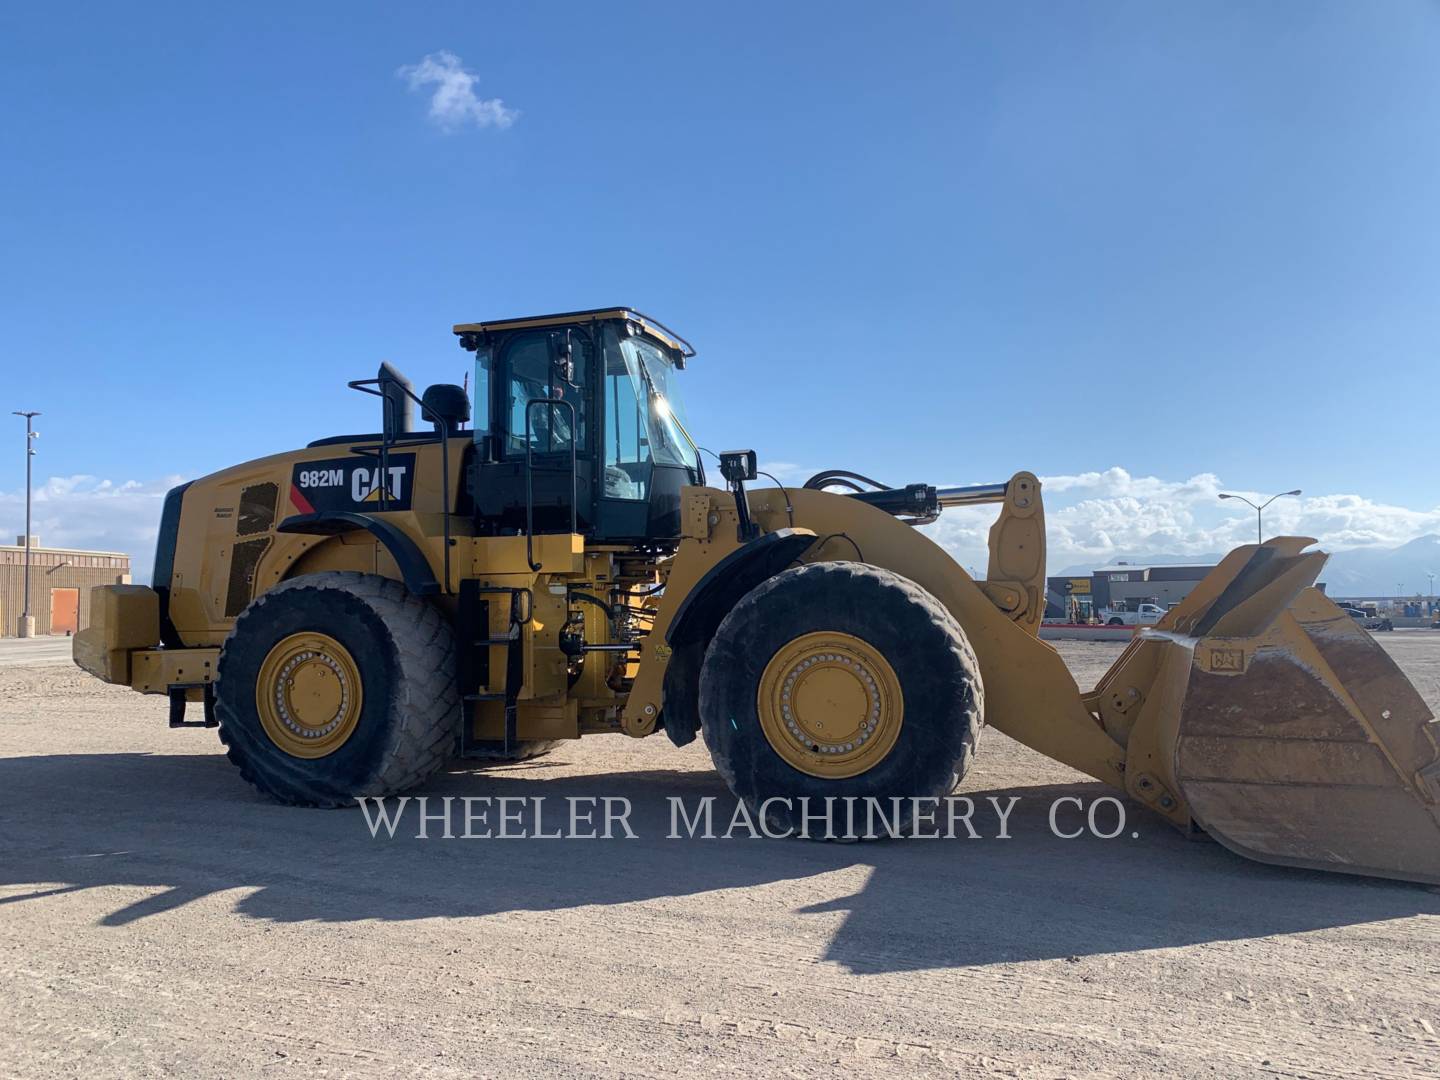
x=60 y=584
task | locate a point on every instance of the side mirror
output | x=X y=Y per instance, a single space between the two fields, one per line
x=738 y=466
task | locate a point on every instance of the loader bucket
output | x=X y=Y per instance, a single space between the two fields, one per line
x=1287 y=732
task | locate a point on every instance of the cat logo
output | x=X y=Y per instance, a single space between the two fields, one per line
x=365 y=484
x=353 y=483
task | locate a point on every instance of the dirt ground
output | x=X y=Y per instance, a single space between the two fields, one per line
x=157 y=917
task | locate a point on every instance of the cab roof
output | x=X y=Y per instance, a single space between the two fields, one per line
x=654 y=327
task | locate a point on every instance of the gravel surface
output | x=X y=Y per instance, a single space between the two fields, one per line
x=158 y=917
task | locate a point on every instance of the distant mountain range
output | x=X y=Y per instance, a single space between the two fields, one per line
x=1359 y=572
x=1384 y=571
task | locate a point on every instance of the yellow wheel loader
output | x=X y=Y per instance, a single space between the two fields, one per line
x=352 y=614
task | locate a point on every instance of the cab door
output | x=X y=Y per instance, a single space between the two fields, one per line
x=528 y=372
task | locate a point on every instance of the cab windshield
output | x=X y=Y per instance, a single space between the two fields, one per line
x=651 y=369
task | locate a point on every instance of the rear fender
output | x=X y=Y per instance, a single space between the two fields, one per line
x=414 y=566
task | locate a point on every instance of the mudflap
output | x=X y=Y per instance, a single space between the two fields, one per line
x=1298 y=741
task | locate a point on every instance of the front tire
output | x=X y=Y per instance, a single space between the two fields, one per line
x=337 y=686
x=839 y=680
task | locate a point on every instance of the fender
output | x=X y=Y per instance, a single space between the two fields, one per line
x=722 y=586
x=701 y=612
x=414 y=567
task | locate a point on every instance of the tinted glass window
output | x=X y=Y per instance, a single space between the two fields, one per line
x=627 y=441
x=530 y=376
x=481 y=423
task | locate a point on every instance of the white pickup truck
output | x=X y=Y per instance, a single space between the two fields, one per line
x=1143 y=615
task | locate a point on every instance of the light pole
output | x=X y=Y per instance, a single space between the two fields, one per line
x=1259 y=510
x=27 y=621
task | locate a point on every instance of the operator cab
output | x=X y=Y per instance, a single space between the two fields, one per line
x=577 y=414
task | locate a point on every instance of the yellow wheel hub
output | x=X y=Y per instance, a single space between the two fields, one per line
x=830 y=705
x=309 y=695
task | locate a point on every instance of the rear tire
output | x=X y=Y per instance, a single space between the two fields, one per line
x=867 y=627
x=405 y=712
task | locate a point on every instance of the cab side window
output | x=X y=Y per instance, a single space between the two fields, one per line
x=530 y=376
x=627 y=437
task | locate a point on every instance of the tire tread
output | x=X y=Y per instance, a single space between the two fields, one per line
x=426 y=709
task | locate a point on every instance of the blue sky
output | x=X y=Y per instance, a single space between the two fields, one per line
x=1149 y=250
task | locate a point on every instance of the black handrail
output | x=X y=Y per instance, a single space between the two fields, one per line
x=388 y=439
x=530 y=471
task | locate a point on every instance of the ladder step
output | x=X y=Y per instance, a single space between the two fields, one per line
x=484 y=697
x=493 y=641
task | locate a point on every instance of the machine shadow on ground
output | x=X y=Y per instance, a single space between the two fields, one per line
x=184 y=824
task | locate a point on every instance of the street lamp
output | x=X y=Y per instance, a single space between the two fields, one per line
x=1259 y=536
x=27 y=622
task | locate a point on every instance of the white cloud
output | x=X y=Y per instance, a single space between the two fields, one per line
x=1096 y=517
x=454 y=104
x=787 y=472
x=1099 y=516
x=1090 y=518
x=92 y=514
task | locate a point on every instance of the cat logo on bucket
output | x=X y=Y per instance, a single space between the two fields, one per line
x=353 y=483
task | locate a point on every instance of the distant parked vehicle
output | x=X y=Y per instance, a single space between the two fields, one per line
x=1369 y=620
x=1143 y=615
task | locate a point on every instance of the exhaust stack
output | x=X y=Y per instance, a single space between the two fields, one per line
x=397 y=406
